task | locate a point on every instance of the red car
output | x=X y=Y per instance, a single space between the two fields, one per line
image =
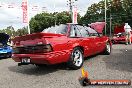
x=119 y=35
x=64 y=43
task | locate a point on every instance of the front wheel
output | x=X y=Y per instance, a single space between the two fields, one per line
x=76 y=59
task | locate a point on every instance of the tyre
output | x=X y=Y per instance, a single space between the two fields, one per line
x=107 y=50
x=76 y=59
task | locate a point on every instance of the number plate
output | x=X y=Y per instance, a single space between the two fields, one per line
x=25 y=60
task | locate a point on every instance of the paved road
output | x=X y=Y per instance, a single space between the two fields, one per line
x=118 y=65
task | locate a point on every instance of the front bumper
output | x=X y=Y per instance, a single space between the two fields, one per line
x=118 y=40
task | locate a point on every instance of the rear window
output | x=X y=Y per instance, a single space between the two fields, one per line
x=61 y=29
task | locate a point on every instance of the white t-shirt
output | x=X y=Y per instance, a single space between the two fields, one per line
x=127 y=28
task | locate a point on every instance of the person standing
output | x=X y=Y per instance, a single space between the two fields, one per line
x=127 y=29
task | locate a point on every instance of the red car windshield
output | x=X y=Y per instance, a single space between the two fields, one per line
x=61 y=29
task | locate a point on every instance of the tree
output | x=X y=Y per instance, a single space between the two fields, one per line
x=44 y=20
x=62 y=18
x=22 y=31
x=9 y=30
x=12 y=33
x=41 y=21
x=120 y=11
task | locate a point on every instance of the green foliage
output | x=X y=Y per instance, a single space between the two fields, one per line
x=22 y=31
x=120 y=11
x=41 y=21
x=44 y=20
x=11 y=32
x=62 y=18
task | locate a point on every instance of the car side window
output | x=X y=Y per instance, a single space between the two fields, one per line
x=75 y=32
x=78 y=32
x=61 y=29
x=83 y=31
x=72 y=32
x=92 y=32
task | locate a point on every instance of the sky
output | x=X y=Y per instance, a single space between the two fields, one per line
x=13 y=16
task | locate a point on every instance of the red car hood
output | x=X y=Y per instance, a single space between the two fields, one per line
x=98 y=26
x=119 y=29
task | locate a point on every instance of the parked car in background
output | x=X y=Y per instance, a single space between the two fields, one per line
x=68 y=43
x=119 y=35
x=5 y=49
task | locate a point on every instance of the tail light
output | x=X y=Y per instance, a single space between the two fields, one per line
x=33 y=49
x=44 y=48
x=18 y=49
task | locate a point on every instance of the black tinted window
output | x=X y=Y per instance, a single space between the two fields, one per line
x=61 y=29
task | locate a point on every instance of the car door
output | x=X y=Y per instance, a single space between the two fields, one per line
x=79 y=40
x=97 y=44
x=86 y=42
